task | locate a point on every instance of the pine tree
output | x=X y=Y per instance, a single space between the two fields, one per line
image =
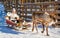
x=2 y=14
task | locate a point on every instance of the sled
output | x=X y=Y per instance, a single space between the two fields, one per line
x=9 y=22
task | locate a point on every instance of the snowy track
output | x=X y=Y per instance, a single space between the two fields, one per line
x=10 y=33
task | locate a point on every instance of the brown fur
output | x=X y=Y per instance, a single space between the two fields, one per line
x=43 y=21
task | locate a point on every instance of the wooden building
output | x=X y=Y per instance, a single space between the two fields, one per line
x=25 y=8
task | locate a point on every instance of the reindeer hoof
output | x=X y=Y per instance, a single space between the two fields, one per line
x=42 y=31
x=47 y=34
x=32 y=30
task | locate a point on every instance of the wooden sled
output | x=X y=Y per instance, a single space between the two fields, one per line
x=9 y=22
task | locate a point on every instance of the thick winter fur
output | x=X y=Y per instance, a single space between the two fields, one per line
x=45 y=19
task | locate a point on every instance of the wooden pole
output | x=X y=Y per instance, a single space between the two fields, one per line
x=35 y=1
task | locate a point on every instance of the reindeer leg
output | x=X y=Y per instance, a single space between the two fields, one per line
x=43 y=28
x=33 y=27
x=47 y=30
x=36 y=27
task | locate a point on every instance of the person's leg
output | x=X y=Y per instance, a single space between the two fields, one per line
x=13 y=26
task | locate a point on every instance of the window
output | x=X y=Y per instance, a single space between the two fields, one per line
x=33 y=1
x=58 y=8
x=58 y=19
x=42 y=0
x=53 y=0
x=28 y=9
x=59 y=24
x=58 y=14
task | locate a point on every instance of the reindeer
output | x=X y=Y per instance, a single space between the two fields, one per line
x=45 y=19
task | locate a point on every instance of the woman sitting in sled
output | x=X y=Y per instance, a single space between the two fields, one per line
x=12 y=18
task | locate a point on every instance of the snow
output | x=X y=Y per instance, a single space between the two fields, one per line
x=6 y=32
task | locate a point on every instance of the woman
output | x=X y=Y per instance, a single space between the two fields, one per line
x=13 y=17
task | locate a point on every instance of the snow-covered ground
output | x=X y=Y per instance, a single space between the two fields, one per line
x=6 y=32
